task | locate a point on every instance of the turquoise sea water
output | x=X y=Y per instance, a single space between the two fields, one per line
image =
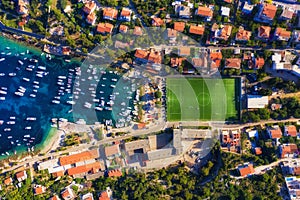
x=16 y=109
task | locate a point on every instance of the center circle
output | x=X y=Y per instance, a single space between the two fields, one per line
x=203 y=99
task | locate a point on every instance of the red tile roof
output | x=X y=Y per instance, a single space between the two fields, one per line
x=39 y=190
x=137 y=30
x=244 y=171
x=260 y=62
x=155 y=57
x=198 y=30
x=91 y=18
x=139 y=53
x=55 y=197
x=58 y=174
x=84 y=168
x=291 y=130
x=176 y=61
x=288 y=149
x=114 y=173
x=8 y=181
x=104 y=196
x=123 y=28
x=243 y=34
x=157 y=21
x=20 y=174
x=258 y=151
x=141 y=125
x=226 y=32
x=269 y=10
x=112 y=150
x=296 y=171
x=89 y=7
x=66 y=193
x=105 y=28
x=110 y=12
x=125 y=12
x=71 y=159
x=264 y=32
x=185 y=51
x=204 y=11
x=282 y=32
x=216 y=57
x=233 y=63
x=172 y=33
x=226 y=138
x=179 y=26
x=276 y=133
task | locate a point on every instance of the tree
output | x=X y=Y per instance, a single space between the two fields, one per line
x=264 y=113
x=158 y=94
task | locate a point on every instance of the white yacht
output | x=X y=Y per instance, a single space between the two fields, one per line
x=12 y=74
x=55 y=101
x=3 y=92
x=19 y=94
x=31 y=118
x=71 y=102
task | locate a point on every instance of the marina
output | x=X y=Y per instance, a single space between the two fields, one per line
x=35 y=87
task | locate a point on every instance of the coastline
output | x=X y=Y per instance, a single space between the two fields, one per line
x=34 y=45
x=52 y=134
x=50 y=137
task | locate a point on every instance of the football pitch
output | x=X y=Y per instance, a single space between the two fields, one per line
x=193 y=99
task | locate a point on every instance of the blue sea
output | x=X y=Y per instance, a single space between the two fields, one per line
x=16 y=132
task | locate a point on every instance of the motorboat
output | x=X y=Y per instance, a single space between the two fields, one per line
x=19 y=94
x=12 y=74
x=20 y=62
x=33 y=60
x=2 y=59
x=28 y=128
x=31 y=118
x=71 y=102
x=26 y=79
x=41 y=67
x=98 y=108
x=3 y=92
x=55 y=101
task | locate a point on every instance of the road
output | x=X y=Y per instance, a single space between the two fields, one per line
x=83 y=147
x=18 y=31
x=152 y=129
x=264 y=168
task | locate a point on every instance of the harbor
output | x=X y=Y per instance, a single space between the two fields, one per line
x=36 y=87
